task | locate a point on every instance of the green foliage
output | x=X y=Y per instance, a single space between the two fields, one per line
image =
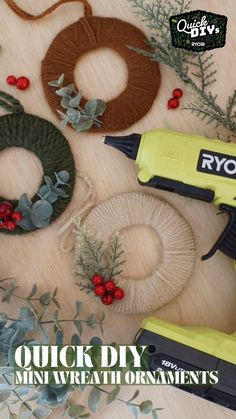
x=38 y=214
x=81 y=118
x=97 y=258
x=195 y=69
x=18 y=331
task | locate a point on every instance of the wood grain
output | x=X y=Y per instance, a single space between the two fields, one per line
x=209 y=298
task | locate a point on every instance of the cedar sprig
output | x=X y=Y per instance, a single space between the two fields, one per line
x=97 y=258
x=194 y=69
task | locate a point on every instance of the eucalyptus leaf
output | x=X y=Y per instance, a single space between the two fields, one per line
x=26 y=223
x=48 y=181
x=94 y=399
x=4 y=395
x=146 y=407
x=96 y=341
x=134 y=396
x=113 y=395
x=59 y=337
x=154 y=415
x=28 y=319
x=24 y=203
x=84 y=124
x=42 y=412
x=24 y=413
x=52 y=197
x=62 y=177
x=75 y=340
x=71 y=112
x=41 y=210
x=91 y=320
x=65 y=91
x=78 y=326
x=41 y=223
x=43 y=191
x=45 y=299
x=75 y=410
x=95 y=107
x=53 y=83
x=22 y=391
x=33 y=291
x=79 y=306
x=65 y=102
x=64 y=123
x=59 y=192
x=90 y=107
x=60 y=81
x=133 y=409
x=75 y=101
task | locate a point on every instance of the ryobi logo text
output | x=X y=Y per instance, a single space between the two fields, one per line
x=217 y=164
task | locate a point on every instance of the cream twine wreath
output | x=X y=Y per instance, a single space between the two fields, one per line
x=176 y=263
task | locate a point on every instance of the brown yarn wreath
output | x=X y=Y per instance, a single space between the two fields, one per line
x=91 y=33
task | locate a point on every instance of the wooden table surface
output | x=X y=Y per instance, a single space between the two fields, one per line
x=209 y=298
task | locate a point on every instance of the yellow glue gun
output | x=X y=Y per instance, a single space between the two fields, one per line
x=189 y=165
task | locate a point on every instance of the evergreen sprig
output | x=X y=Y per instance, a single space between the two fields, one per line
x=194 y=69
x=97 y=258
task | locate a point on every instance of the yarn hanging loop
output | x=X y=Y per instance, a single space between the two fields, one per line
x=27 y=16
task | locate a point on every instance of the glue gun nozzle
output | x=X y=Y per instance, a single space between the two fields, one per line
x=128 y=144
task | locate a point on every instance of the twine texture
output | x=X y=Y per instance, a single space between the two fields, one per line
x=176 y=264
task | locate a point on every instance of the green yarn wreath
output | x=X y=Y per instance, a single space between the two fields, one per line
x=20 y=129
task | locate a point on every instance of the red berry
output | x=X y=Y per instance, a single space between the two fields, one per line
x=22 y=83
x=177 y=93
x=107 y=300
x=6 y=209
x=100 y=290
x=16 y=216
x=2 y=224
x=118 y=293
x=10 y=225
x=173 y=103
x=11 y=80
x=97 y=280
x=110 y=286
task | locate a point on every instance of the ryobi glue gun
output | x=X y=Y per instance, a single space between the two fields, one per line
x=189 y=165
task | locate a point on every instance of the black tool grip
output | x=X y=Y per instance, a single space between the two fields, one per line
x=227 y=240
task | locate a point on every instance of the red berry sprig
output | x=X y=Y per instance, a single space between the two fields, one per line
x=173 y=102
x=8 y=217
x=22 y=83
x=107 y=290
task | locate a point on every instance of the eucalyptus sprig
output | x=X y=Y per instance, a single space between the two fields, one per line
x=38 y=214
x=194 y=69
x=15 y=331
x=81 y=118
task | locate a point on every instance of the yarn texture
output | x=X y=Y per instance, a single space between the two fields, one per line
x=43 y=139
x=176 y=264
x=88 y=34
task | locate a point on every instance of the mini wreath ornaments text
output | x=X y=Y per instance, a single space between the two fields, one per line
x=87 y=34
x=19 y=129
x=99 y=258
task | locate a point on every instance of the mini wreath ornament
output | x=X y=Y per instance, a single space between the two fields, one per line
x=90 y=33
x=19 y=129
x=174 y=267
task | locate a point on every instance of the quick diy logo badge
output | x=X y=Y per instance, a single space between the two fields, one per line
x=217 y=164
x=198 y=30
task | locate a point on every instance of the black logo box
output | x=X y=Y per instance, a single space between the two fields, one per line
x=184 y=40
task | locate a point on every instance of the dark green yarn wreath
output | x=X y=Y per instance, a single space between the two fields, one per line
x=20 y=129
